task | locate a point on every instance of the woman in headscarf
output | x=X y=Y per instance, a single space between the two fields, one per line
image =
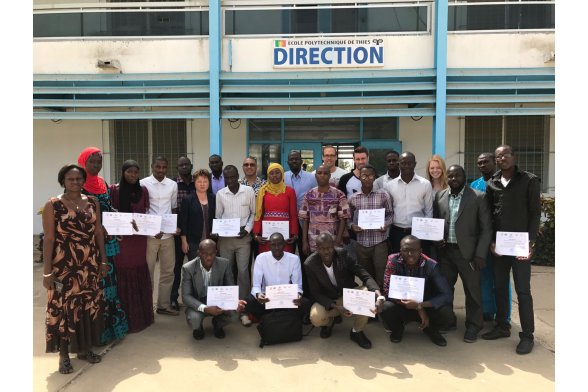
x=132 y=272
x=115 y=319
x=275 y=202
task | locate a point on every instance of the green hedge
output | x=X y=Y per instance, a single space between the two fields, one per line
x=545 y=243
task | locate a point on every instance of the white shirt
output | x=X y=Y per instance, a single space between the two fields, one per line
x=331 y=274
x=267 y=271
x=414 y=199
x=236 y=205
x=163 y=196
x=382 y=181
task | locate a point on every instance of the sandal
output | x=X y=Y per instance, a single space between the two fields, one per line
x=90 y=357
x=65 y=366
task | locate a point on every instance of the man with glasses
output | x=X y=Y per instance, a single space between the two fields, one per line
x=434 y=312
x=371 y=248
x=330 y=161
x=515 y=203
x=250 y=177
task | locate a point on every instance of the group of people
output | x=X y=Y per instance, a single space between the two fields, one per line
x=100 y=286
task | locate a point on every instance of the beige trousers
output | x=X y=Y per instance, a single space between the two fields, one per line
x=321 y=317
x=165 y=252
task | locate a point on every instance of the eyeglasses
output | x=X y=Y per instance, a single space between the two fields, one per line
x=248 y=164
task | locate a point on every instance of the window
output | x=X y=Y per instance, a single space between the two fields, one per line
x=527 y=135
x=361 y=19
x=142 y=140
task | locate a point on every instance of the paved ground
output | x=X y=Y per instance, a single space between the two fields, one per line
x=165 y=357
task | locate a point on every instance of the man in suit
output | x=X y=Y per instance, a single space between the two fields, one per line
x=329 y=270
x=468 y=232
x=197 y=275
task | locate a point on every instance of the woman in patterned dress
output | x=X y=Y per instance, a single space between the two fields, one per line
x=133 y=279
x=115 y=319
x=74 y=262
x=275 y=202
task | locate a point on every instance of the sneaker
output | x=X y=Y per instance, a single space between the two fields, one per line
x=245 y=320
x=360 y=339
x=168 y=312
x=526 y=344
x=396 y=336
x=470 y=335
x=496 y=333
x=198 y=334
x=435 y=337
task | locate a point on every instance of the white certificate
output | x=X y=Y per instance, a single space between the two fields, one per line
x=281 y=296
x=226 y=227
x=428 y=228
x=225 y=297
x=148 y=224
x=371 y=219
x=406 y=287
x=271 y=227
x=169 y=223
x=118 y=223
x=509 y=243
x=359 y=301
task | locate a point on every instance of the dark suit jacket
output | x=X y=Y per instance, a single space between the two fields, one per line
x=190 y=219
x=473 y=227
x=345 y=269
x=193 y=293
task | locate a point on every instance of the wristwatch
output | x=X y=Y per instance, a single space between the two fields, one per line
x=419 y=306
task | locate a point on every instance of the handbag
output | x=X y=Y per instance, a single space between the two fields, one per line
x=280 y=326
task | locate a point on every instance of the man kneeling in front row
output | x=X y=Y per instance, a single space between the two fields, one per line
x=435 y=311
x=197 y=275
x=329 y=270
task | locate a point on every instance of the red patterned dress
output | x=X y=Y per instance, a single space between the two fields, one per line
x=281 y=207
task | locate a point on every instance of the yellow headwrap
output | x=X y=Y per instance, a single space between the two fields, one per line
x=274 y=189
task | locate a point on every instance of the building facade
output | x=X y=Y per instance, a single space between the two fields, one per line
x=261 y=78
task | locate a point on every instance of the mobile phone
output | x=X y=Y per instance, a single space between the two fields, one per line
x=58 y=286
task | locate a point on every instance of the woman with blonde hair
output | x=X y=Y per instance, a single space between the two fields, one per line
x=437 y=173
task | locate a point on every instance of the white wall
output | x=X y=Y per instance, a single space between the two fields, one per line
x=500 y=50
x=134 y=56
x=55 y=145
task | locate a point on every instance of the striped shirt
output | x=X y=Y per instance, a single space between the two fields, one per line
x=454 y=201
x=239 y=205
x=371 y=201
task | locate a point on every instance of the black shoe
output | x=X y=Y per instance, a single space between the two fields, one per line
x=470 y=335
x=360 y=339
x=174 y=305
x=198 y=334
x=488 y=317
x=219 y=333
x=338 y=320
x=436 y=337
x=327 y=330
x=496 y=333
x=526 y=344
x=396 y=336
x=448 y=328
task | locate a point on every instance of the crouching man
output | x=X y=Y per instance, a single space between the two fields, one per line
x=329 y=270
x=197 y=275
